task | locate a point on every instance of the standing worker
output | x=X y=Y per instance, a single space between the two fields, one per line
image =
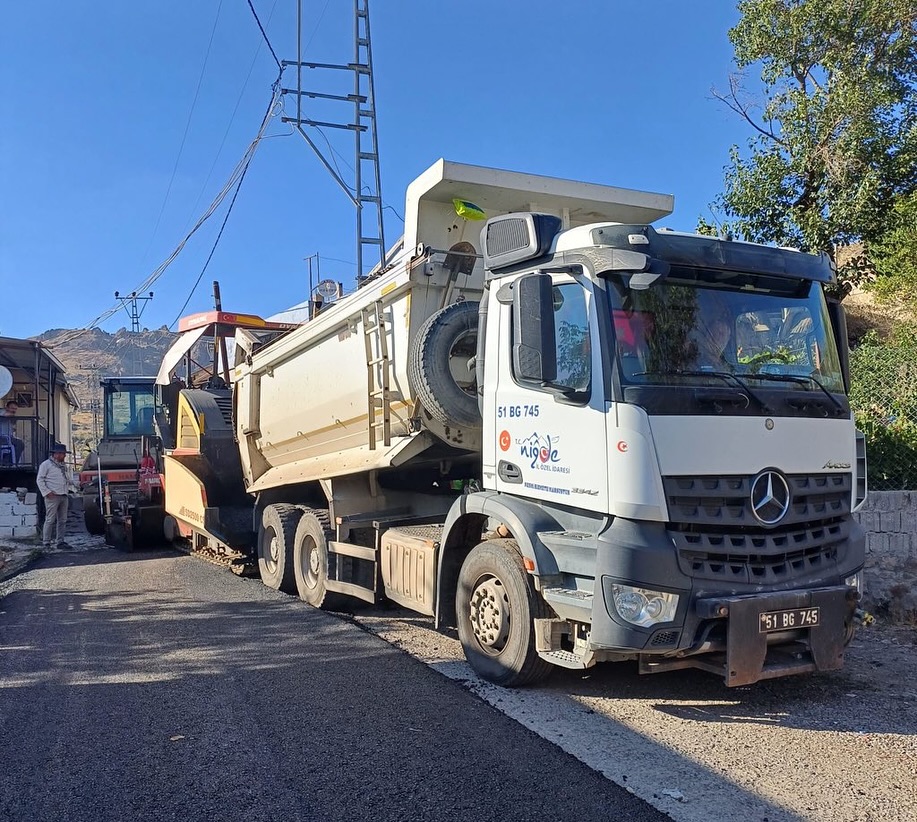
x=54 y=482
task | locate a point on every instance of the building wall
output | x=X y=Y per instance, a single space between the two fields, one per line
x=890 y=521
x=63 y=411
x=18 y=514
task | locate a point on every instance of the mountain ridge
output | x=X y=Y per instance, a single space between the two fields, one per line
x=91 y=354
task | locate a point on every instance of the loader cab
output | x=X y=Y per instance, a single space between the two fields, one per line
x=129 y=406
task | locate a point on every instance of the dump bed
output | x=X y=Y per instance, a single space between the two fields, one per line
x=334 y=397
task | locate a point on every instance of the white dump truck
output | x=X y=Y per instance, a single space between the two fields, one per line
x=567 y=434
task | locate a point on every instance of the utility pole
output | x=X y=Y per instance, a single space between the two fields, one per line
x=318 y=269
x=366 y=191
x=134 y=304
x=95 y=404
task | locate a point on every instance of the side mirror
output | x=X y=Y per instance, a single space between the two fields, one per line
x=534 y=343
x=839 y=327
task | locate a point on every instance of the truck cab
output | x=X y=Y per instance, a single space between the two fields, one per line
x=665 y=420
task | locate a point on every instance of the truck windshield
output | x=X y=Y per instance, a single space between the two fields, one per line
x=129 y=410
x=693 y=328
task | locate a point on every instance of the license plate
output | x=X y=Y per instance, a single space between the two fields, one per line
x=787 y=620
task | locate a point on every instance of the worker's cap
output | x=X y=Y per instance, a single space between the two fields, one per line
x=58 y=448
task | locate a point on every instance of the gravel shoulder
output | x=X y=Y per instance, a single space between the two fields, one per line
x=838 y=746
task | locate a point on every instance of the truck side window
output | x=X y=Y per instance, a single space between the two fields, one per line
x=571 y=332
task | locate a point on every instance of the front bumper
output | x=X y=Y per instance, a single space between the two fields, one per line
x=748 y=655
x=718 y=630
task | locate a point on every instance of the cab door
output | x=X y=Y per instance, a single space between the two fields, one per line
x=550 y=438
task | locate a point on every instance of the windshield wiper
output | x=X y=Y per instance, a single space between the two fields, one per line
x=726 y=376
x=801 y=379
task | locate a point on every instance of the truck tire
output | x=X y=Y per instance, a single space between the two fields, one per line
x=495 y=606
x=438 y=365
x=275 y=546
x=310 y=558
x=92 y=516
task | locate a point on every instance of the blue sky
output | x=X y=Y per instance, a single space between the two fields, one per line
x=94 y=118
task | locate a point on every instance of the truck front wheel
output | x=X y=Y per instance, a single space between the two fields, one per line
x=275 y=546
x=496 y=604
x=310 y=558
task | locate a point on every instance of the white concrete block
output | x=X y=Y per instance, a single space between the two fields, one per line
x=8 y=498
x=867 y=519
x=31 y=498
x=900 y=545
x=24 y=531
x=890 y=522
x=30 y=519
x=22 y=509
x=5 y=509
x=9 y=521
x=6 y=530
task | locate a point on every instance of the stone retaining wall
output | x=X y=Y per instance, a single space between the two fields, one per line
x=890 y=520
x=18 y=513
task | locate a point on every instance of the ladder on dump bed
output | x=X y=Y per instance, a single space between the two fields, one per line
x=378 y=374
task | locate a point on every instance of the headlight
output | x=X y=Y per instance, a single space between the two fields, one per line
x=641 y=606
x=855 y=581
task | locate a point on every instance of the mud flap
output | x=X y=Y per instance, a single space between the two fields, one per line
x=749 y=658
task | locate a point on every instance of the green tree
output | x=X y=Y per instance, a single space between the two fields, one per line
x=835 y=145
x=894 y=254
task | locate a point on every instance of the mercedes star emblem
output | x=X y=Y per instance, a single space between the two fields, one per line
x=770 y=497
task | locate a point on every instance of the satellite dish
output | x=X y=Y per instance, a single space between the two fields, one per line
x=6 y=381
x=328 y=290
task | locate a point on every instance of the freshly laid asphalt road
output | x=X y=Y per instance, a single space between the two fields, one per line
x=158 y=687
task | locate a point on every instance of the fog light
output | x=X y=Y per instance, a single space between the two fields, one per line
x=642 y=606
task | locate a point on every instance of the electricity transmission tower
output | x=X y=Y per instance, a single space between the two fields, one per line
x=134 y=304
x=95 y=403
x=366 y=191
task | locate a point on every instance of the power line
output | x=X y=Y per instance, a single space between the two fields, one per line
x=264 y=35
x=214 y=248
x=237 y=172
x=232 y=202
x=232 y=117
x=315 y=30
x=184 y=136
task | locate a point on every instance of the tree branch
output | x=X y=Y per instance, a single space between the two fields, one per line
x=733 y=102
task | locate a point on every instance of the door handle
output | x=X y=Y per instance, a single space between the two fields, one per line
x=509 y=472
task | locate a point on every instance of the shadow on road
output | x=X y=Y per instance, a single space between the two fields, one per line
x=152 y=686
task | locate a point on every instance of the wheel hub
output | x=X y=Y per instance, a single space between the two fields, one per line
x=314 y=566
x=490 y=619
x=271 y=555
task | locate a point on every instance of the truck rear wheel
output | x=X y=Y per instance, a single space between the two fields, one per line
x=310 y=558
x=92 y=516
x=275 y=546
x=495 y=605
x=438 y=365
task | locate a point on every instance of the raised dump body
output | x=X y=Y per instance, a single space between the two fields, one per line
x=335 y=397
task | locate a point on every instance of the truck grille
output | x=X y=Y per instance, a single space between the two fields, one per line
x=763 y=558
x=726 y=501
x=719 y=538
